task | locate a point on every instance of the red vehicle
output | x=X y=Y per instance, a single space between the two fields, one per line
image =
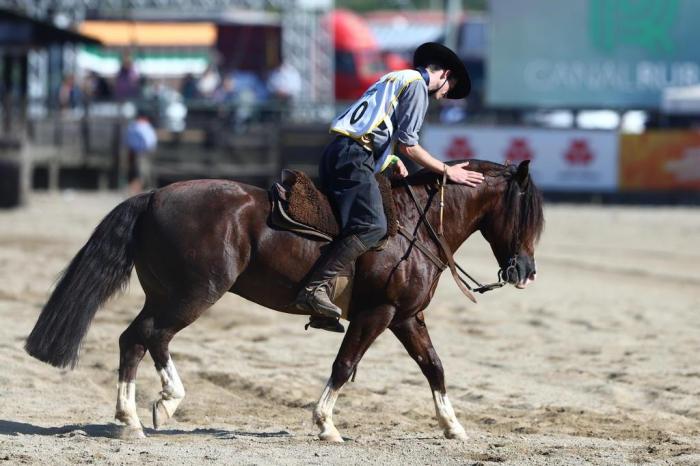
x=358 y=60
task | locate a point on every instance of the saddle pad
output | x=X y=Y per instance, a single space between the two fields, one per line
x=307 y=205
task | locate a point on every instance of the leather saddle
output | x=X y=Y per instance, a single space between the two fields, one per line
x=299 y=206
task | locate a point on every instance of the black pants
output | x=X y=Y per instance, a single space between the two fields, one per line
x=347 y=177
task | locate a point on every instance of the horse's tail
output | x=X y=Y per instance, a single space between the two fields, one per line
x=101 y=268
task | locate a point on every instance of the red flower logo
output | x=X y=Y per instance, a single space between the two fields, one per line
x=518 y=151
x=459 y=149
x=579 y=153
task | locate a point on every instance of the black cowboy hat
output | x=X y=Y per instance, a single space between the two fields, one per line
x=432 y=52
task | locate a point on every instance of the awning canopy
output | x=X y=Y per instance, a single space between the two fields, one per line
x=151 y=34
x=19 y=30
x=151 y=63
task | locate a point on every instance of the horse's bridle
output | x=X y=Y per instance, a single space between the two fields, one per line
x=455 y=268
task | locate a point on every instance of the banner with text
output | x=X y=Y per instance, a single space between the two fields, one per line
x=563 y=160
x=660 y=160
x=591 y=53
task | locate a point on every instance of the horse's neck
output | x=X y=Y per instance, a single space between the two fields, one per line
x=463 y=211
x=460 y=216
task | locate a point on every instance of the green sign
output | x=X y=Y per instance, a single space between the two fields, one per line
x=591 y=53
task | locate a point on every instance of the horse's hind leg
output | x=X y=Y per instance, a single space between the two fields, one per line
x=413 y=334
x=152 y=330
x=172 y=315
x=361 y=333
x=132 y=348
x=173 y=391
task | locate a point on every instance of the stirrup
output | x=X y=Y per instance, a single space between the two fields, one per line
x=329 y=324
x=304 y=303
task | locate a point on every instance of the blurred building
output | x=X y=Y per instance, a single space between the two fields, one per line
x=26 y=44
x=171 y=38
x=158 y=49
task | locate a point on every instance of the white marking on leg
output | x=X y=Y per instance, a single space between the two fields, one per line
x=323 y=414
x=170 y=397
x=446 y=417
x=173 y=390
x=126 y=405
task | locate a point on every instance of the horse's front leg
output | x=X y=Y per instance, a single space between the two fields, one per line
x=362 y=331
x=413 y=334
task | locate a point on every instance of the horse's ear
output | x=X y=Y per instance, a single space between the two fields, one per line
x=522 y=173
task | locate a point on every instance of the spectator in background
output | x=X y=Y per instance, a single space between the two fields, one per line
x=226 y=93
x=208 y=82
x=240 y=94
x=188 y=88
x=126 y=84
x=97 y=88
x=141 y=140
x=167 y=103
x=69 y=94
x=284 y=85
x=233 y=106
x=145 y=89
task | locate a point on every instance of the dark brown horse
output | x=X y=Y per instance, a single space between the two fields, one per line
x=193 y=241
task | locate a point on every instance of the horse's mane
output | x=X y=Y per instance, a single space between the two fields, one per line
x=425 y=176
x=525 y=219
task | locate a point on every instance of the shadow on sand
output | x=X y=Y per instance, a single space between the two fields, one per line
x=114 y=431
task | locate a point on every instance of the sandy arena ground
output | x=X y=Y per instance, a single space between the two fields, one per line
x=597 y=363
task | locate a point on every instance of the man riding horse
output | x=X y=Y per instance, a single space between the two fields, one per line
x=194 y=241
x=387 y=117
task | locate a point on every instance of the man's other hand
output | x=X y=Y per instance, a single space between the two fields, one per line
x=399 y=170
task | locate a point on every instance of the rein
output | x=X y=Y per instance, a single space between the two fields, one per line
x=455 y=268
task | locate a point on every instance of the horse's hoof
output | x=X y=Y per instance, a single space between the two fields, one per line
x=160 y=415
x=331 y=437
x=130 y=433
x=456 y=434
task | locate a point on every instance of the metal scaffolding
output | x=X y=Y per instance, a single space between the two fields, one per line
x=307 y=43
x=77 y=9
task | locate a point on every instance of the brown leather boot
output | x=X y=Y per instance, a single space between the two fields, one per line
x=314 y=296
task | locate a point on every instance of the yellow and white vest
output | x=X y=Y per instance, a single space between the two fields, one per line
x=375 y=107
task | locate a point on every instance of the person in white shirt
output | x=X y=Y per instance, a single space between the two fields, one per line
x=284 y=85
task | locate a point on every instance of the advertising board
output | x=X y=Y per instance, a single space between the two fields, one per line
x=660 y=160
x=562 y=160
x=591 y=53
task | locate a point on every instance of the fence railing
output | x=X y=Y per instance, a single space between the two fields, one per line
x=94 y=145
